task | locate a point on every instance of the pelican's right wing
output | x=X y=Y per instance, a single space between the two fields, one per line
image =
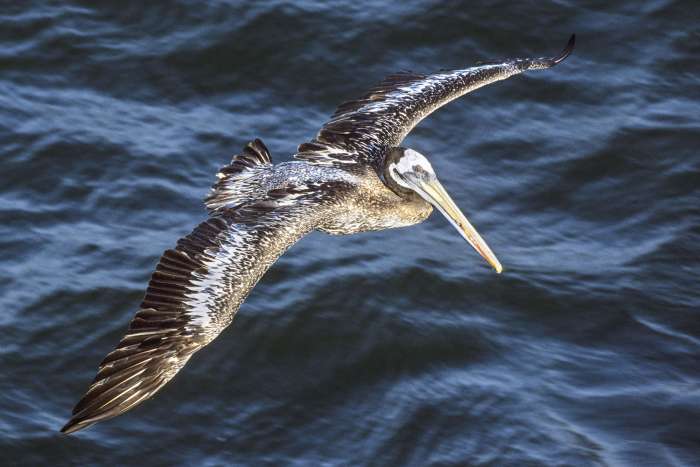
x=361 y=130
x=194 y=294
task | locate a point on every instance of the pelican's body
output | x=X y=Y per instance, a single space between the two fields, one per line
x=357 y=201
x=353 y=177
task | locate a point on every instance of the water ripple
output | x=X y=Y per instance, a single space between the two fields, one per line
x=388 y=348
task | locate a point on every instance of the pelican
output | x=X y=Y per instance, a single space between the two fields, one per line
x=352 y=177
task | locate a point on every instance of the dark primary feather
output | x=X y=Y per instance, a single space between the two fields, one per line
x=361 y=130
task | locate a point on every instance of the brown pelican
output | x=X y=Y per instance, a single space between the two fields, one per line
x=353 y=177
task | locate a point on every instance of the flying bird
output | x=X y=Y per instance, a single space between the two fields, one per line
x=352 y=177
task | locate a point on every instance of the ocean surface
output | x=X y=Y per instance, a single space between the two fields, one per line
x=396 y=348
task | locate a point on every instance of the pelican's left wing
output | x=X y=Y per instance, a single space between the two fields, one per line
x=361 y=130
x=194 y=294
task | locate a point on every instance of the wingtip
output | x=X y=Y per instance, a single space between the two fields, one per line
x=76 y=424
x=566 y=52
x=70 y=427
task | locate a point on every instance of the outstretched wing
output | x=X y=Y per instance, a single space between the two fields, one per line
x=360 y=131
x=194 y=294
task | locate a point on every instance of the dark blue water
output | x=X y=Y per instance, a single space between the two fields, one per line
x=393 y=348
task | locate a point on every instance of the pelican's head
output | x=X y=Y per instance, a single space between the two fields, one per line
x=408 y=173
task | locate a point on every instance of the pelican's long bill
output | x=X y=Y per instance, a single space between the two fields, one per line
x=432 y=191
